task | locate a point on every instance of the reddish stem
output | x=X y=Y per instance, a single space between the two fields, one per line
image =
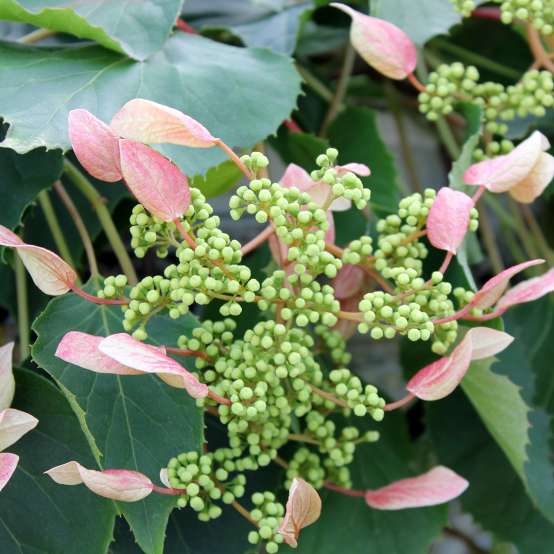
x=184 y=352
x=344 y=490
x=234 y=158
x=96 y=299
x=486 y=13
x=184 y=234
x=257 y=240
x=185 y=27
x=478 y=194
x=399 y=403
x=458 y=315
x=446 y=262
x=219 y=399
x=485 y=317
x=170 y=492
x=292 y=126
x=416 y=83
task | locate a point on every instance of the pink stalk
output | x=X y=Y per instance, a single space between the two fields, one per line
x=478 y=194
x=343 y=490
x=96 y=299
x=185 y=27
x=219 y=399
x=399 y=403
x=416 y=83
x=458 y=315
x=168 y=491
x=184 y=233
x=234 y=158
x=486 y=13
x=447 y=259
x=257 y=240
x=292 y=126
x=184 y=352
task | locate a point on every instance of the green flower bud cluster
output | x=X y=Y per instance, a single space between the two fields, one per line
x=268 y=514
x=397 y=246
x=539 y=12
x=335 y=345
x=255 y=162
x=113 y=287
x=306 y=465
x=303 y=299
x=204 y=482
x=358 y=250
x=210 y=337
x=465 y=7
x=361 y=399
x=147 y=231
x=341 y=184
x=446 y=86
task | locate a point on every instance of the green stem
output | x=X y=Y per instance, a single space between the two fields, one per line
x=538 y=235
x=489 y=240
x=22 y=308
x=448 y=139
x=36 y=36
x=523 y=235
x=340 y=91
x=94 y=197
x=476 y=59
x=54 y=225
x=314 y=83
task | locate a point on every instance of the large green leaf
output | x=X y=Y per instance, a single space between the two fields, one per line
x=349 y=525
x=37 y=515
x=22 y=178
x=137 y=28
x=496 y=497
x=134 y=422
x=421 y=20
x=273 y=24
x=356 y=135
x=240 y=94
x=218 y=180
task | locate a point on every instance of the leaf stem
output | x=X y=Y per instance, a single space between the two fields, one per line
x=94 y=197
x=537 y=48
x=36 y=36
x=54 y=226
x=399 y=403
x=234 y=158
x=257 y=240
x=340 y=91
x=314 y=83
x=81 y=228
x=448 y=139
x=343 y=490
x=489 y=241
x=22 y=308
x=97 y=299
x=328 y=396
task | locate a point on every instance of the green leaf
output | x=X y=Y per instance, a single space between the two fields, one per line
x=349 y=525
x=218 y=180
x=273 y=25
x=367 y=148
x=139 y=28
x=39 y=515
x=299 y=148
x=23 y=177
x=131 y=422
x=421 y=20
x=496 y=497
x=241 y=95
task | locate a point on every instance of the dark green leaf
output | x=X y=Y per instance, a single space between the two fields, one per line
x=241 y=95
x=299 y=148
x=39 y=515
x=139 y=28
x=133 y=422
x=218 y=180
x=22 y=178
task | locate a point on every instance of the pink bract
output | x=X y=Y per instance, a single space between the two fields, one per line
x=152 y=123
x=524 y=172
x=13 y=425
x=8 y=464
x=49 y=272
x=381 y=44
x=158 y=184
x=303 y=509
x=437 y=486
x=7 y=381
x=448 y=219
x=117 y=484
x=527 y=291
x=95 y=145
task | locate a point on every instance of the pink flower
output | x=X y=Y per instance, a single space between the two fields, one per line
x=303 y=509
x=152 y=123
x=448 y=219
x=49 y=272
x=117 y=484
x=437 y=486
x=381 y=44
x=438 y=379
x=525 y=172
x=13 y=425
x=121 y=354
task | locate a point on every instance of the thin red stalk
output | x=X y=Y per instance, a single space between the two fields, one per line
x=416 y=83
x=399 y=403
x=184 y=352
x=185 y=27
x=96 y=299
x=170 y=492
x=292 y=126
x=343 y=490
x=257 y=240
x=234 y=158
x=184 y=233
x=219 y=399
x=486 y=13
x=446 y=262
x=478 y=194
x=485 y=317
x=458 y=315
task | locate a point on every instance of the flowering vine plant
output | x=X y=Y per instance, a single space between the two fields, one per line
x=254 y=361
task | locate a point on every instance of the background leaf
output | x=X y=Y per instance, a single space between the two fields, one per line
x=39 y=515
x=137 y=28
x=241 y=95
x=133 y=422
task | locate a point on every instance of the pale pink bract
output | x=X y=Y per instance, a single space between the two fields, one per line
x=7 y=381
